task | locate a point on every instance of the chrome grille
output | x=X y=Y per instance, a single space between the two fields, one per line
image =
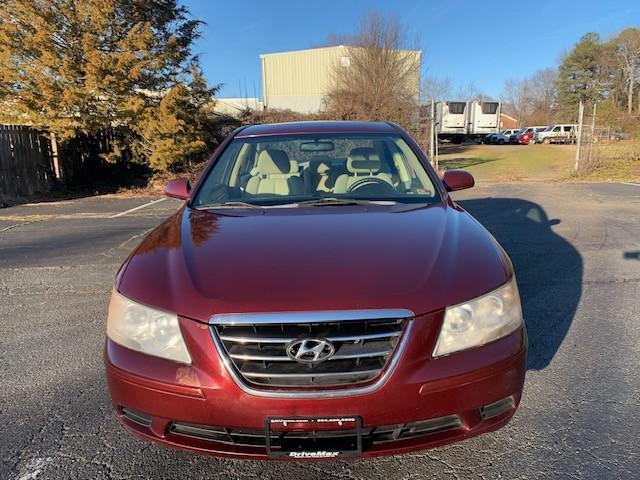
x=256 y=346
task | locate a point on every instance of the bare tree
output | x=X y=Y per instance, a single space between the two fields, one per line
x=516 y=97
x=379 y=79
x=543 y=91
x=628 y=52
x=470 y=91
x=437 y=89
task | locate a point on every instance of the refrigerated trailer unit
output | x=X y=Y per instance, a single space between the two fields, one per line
x=451 y=121
x=459 y=121
x=484 y=118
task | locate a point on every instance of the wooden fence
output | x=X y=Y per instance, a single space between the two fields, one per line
x=26 y=162
x=32 y=163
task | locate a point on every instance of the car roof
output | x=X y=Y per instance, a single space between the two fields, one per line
x=293 y=128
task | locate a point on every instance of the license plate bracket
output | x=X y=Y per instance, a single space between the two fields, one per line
x=306 y=438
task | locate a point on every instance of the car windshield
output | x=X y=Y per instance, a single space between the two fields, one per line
x=326 y=168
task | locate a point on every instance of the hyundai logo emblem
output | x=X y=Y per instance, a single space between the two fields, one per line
x=310 y=350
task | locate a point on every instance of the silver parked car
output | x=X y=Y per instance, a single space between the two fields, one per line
x=501 y=138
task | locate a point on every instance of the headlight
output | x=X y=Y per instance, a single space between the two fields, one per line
x=145 y=329
x=480 y=320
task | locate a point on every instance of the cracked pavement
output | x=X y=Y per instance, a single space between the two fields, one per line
x=576 y=251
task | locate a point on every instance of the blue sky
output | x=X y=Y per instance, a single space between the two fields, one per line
x=481 y=42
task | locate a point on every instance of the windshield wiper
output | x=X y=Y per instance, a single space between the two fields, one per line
x=228 y=205
x=336 y=201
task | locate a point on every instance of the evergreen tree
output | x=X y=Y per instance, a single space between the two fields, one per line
x=83 y=66
x=579 y=74
x=179 y=129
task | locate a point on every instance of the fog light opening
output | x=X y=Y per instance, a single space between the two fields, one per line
x=136 y=417
x=496 y=408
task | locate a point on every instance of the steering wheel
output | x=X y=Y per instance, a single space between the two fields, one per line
x=370 y=181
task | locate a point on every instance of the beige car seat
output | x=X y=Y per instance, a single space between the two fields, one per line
x=362 y=162
x=323 y=172
x=273 y=175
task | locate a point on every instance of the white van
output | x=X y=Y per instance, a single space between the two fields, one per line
x=565 y=133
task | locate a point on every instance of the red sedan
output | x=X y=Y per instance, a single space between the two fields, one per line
x=318 y=295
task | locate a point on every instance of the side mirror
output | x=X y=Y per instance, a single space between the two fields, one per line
x=457 y=180
x=178 y=188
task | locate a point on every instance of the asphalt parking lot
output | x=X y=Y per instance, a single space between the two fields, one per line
x=576 y=250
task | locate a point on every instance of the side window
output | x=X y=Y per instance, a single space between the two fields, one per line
x=557 y=129
x=567 y=128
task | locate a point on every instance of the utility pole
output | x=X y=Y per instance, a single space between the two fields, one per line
x=435 y=141
x=580 y=114
x=432 y=134
x=593 y=132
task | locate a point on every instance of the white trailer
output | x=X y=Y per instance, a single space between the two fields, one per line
x=484 y=118
x=451 y=120
x=459 y=121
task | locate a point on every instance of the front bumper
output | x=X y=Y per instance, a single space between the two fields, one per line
x=481 y=387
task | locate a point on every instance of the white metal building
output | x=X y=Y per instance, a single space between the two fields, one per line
x=299 y=80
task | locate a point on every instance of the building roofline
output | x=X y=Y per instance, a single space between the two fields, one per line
x=290 y=52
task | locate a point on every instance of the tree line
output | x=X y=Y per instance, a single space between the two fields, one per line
x=593 y=71
x=600 y=71
x=126 y=69
x=78 y=68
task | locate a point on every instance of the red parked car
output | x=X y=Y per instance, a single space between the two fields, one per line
x=526 y=134
x=318 y=295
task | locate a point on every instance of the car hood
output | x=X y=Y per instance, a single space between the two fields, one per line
x=421 y=258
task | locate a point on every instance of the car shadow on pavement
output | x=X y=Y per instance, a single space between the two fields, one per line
x=465 y=162
x=548 y=268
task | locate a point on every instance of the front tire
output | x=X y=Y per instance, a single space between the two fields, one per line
x=546 y=141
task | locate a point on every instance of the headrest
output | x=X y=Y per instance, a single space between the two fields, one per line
x=323 y=168
x=272 y=161
x=363 y=160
